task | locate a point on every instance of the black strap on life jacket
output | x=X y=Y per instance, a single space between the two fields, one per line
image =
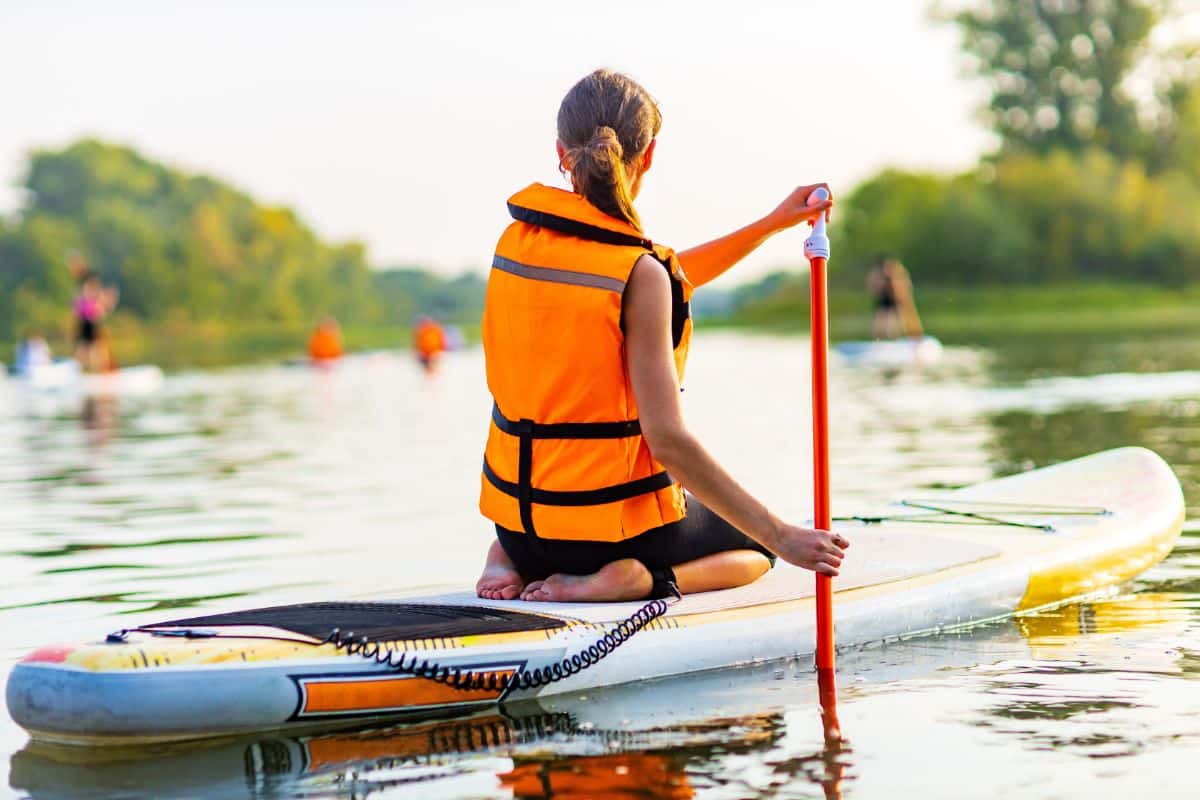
x=681 y=310
x=569 y=430
x=574 y=227
x=526 y=430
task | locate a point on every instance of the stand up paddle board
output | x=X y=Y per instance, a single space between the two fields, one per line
x=140 y=380
x=65 y=375
x=729 y=709
x=53 y=375
x=891 y=352
x=928 y=563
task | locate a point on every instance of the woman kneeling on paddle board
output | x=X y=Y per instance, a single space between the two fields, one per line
x=585 y=331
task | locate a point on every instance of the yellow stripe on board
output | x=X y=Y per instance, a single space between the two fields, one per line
x=1060 y=580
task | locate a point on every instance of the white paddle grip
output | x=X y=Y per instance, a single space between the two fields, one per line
x=817 y=243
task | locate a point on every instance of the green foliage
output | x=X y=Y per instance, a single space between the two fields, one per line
x=1089 y=188
x=185 y=248
x=1094 y=217
x=31 y=295
x=1177 y=145
x=1024 y=220
x=947 y=229
x=1056 y=70
x=1059 y=74
x=410 y=292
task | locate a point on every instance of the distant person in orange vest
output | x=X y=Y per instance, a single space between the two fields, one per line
x=429 y=341
x=586 y=328
x=325 y=344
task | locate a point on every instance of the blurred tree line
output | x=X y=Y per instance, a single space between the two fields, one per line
x=187 y=247
x=1096 y=173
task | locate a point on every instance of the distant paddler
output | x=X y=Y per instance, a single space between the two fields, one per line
x=895 y=306
x=429 y=341
x=325 y=343
x=93 y=304
x=32 y=353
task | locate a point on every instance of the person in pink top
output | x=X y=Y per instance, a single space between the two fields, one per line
x=93 y=303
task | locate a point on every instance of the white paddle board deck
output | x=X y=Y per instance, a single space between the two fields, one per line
x=1009 y=545
x=727 y=708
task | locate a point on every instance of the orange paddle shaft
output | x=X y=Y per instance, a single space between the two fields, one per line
x=816 y=250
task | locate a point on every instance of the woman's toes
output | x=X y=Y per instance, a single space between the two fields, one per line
x=531 y=591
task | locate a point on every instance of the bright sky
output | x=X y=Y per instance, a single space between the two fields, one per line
x=407 y=124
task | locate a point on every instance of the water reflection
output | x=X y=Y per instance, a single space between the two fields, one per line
x=265 y=485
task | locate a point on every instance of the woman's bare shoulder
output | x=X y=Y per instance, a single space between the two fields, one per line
x=647 y=295
x=648 y=272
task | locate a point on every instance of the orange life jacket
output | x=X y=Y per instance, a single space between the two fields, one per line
x=430 y=339
x=565 y=456
x=325 y=343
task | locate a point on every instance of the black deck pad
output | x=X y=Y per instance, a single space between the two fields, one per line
x=379 y=622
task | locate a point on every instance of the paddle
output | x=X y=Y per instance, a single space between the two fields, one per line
x=816 y=250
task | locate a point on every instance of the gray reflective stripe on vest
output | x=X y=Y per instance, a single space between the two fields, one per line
x=551 y=275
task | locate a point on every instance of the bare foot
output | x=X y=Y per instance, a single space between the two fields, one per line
x=627 y=579
x=500 y=579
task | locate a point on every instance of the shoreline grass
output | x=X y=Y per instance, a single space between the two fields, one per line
x=976 y=316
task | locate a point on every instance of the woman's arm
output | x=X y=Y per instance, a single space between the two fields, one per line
x=656 y=388
x=705 y=262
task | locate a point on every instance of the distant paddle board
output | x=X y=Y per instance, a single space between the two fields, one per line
x=140 y=380
x=57 y=374
x=891 y=352
x=65 y=375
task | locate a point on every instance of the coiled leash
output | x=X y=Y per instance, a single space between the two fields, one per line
x=665 y=593
x=468 y=680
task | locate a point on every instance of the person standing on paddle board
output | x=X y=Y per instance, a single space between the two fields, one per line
x=895 y=309
x=92 y=305
x=586 y=328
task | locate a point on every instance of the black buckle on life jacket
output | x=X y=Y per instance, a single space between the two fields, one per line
x=525 y=428
x=584 y=497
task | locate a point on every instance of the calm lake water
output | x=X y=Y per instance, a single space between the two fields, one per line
x=261 y=485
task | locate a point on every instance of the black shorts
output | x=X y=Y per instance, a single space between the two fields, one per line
x=87 y=332
x=701 y=533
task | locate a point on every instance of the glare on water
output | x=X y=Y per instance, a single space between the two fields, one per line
x=268 y=484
